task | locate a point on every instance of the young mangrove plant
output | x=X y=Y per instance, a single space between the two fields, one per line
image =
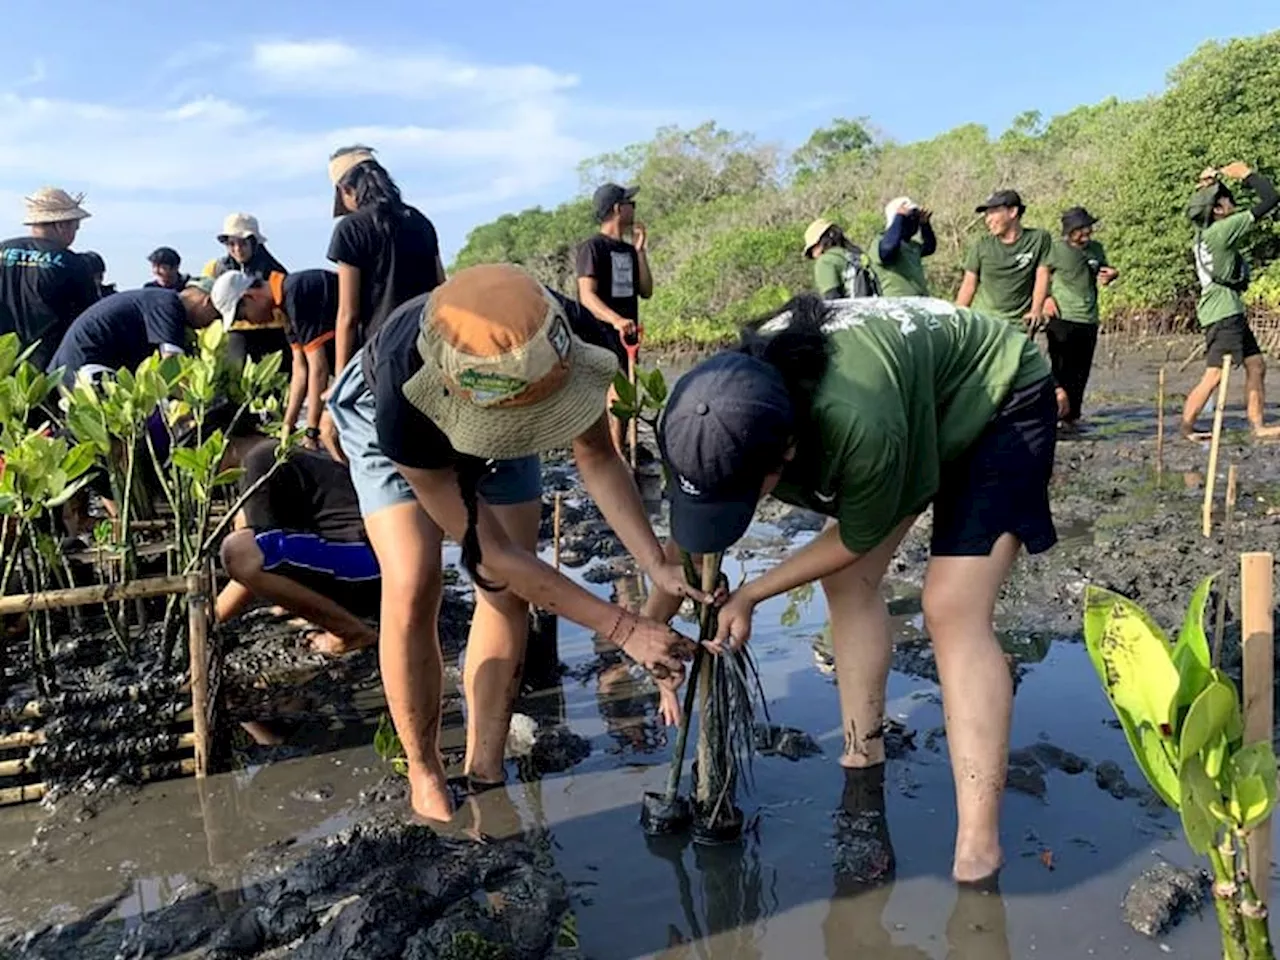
x=1182 y=718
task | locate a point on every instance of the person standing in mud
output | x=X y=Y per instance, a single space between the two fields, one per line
x=868 y=412
x=614 y=275
x=442 y=416
x=44 y=286
x=387 y=252
x=1223 y=273
x=1078 y=264
x=896 y=256
x=1006 y=273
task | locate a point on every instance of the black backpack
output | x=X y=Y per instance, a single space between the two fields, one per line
x=859 y=279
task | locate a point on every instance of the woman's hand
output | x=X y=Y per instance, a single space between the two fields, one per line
x=655 y=646
x=669 y=709
x=670 y=579
x=329 y=437
x=734 y=623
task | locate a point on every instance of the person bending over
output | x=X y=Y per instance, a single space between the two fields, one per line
x=868 y=412
x=1221 y=231
x=303 y=548
x=442 y=416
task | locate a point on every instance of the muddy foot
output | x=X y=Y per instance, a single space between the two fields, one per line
x=1266 y=433
x=429 y=796
x=864 y=854
x=332 y=645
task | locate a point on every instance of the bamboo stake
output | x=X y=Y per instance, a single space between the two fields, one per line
x=37 y=738
x=16 y=768
x=1160 y=427
x=1258 y=641
x=633 y=426
x=198 y=641
x=27 y=793
x=1211 y=475
x=555 y=531
x=86 y=596
x=1230 y=513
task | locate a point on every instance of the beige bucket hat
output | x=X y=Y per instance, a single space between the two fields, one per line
x=240 y=226
x=503 y=374
x=53 y=205
x=813 y=233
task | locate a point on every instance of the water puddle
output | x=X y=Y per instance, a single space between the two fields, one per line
x=1072 y=848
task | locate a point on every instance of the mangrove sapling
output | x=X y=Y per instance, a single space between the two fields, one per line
x=1182 y=718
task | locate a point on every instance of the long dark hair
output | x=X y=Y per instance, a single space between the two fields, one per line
x=800 y=352
x=834 y=237
x=471 y=470
x=377 y=192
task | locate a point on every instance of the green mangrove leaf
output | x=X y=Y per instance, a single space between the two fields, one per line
x=186 y=459
x=1198 y=794
x=1252 y=776
x=1191 y=651
x=227 y=477
x=1154 y=755
x=69 y=491
x=657 y=387
x=78 y=460
x=1215 y=757
x=1207 y=720
x=1137 y=668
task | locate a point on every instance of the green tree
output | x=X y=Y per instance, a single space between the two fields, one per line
x=829 y=145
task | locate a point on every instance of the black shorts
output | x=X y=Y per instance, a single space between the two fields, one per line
x=362 y=598
x=1001 y=484
x=1230 y=336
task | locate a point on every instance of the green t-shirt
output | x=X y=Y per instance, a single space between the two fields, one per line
x=1075 y=279
x=1007 y=272
x=903 y=276
x=911 y=386
x=835 y=269
x=1216 y=256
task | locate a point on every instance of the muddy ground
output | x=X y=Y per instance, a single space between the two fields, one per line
x=304 y=850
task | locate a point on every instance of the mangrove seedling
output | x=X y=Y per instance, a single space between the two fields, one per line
x=1183 y=721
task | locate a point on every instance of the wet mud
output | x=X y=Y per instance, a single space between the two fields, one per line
x=304 y=850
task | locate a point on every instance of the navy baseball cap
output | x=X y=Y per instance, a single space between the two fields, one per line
x=727 y=426
x=609 y=196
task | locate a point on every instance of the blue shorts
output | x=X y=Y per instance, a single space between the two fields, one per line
x=345 y=572
x=378 y=484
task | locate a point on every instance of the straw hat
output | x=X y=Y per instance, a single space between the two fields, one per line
x=814 y=233
x=53 y=205
x=503 y=374
x=240 y=226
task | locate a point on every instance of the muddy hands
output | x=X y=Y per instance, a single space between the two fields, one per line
x=656 y=647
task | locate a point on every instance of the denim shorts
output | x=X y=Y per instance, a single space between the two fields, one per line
x=378 y=484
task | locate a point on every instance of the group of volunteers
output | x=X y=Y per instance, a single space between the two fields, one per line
x=427 y=399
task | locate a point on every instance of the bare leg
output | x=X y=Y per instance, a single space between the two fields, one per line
x=863 y=649
x=495 y=655
x=234 y=599
x=1197 y=398
x=977 y=694
x=243 y=562
x=1255 y=397
x=615 y=425
x=408 y=544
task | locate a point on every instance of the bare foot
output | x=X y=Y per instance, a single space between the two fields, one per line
x=1266 y=433
x=332 y=645
x=429 y=793
x=1195 y=436
x=976 y=866
x=263 y=734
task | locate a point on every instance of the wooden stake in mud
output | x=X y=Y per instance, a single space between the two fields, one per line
x=555 y=531
x=703 y=785
x=1230 y=514
x=633 y=425
x=1211 y=474
x=198 y=644
x=1160 y=427
x=1258 y=641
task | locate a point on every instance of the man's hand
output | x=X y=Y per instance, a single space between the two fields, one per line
x=733 y=623
x=1035 y=322
x=329 y=437
x=904 y=210
x=639 y=237
x=655 y=646
x=1208 y=176
x=925 y=214
x=1236 y=171
x=626 y=328
x=1107 y=274
x=669 y=578
x=1050 y=308
x=1064 y=403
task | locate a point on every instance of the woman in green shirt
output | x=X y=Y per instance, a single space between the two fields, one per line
x=868 y=412
x=838 y=268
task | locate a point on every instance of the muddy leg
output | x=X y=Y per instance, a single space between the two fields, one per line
x=863 y=649
x=495 y=655
x=1198 y=397
x=408 y=544
x=977 y=695
x=1255 y=397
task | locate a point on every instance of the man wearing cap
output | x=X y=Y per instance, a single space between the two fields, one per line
x=1007 y=269
x=166 y=269
x=1221 y=231
x=1078 y=265
x=614 y=274
x=839 y=266
x=896 y=256
x=868 y=411
x=125 y=329
x=306 y=303
x=44 y=286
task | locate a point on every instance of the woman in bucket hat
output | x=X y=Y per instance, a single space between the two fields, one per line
x=868 y=412
x=840 y=268
x=442 y=416
x=246 y=248
x=387 y=252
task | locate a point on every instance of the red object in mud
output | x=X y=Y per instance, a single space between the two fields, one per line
x=1046 y=857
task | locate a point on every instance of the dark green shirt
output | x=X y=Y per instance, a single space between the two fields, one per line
x=1007 y=272
x=903 y=276
x=835 y=270
x=1217 y=255
x=1075 y=279
x=911 y=386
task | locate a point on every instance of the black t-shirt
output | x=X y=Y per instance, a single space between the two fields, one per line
x=394 y=266
x=405 y=434
x=43 y=287
x=615 y=265
x=311 y=304
x=122 y=331
x=261 y=265
x=309 y=493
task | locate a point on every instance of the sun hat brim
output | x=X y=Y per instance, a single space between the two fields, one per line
x=507 y=433
x=76 y=213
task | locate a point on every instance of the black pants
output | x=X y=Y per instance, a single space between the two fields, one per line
x=1071 y=347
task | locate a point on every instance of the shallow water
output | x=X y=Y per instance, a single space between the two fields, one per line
x=1070 y=855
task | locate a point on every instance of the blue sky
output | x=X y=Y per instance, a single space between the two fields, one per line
x=170 y=115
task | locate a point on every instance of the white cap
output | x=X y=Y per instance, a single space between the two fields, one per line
x=240 y=226
x=893 y=206
x=228 y=290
